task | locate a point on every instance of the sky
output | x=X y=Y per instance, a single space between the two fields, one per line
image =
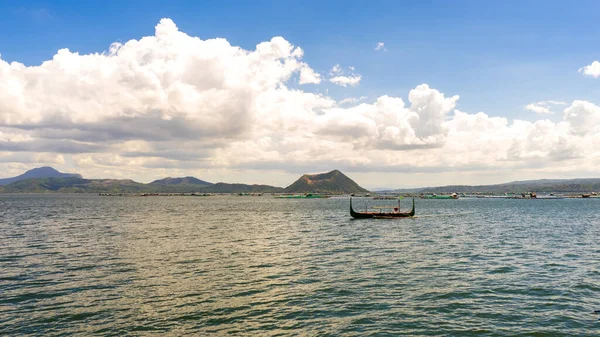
x=392 y=93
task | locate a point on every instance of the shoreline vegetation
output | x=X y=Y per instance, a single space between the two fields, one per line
x=47 y=180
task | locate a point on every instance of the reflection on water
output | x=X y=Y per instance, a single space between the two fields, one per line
x=264 y=266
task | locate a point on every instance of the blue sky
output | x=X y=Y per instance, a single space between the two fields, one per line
x=497 y=56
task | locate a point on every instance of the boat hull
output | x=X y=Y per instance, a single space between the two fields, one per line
x=381 y=215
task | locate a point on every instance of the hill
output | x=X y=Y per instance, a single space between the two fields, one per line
x=240 y=188
x=49 y=180
x=334 y=182
x=40 y=172
x=181 y=181
x=80 y=185
x=74 y=185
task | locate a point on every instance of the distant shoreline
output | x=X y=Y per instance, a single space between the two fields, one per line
x=333 y=182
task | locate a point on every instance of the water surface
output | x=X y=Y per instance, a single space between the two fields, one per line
x=85 y=264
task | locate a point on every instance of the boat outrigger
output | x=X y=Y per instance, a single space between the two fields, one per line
x=382 y=215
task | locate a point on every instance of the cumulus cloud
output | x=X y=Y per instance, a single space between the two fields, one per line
x=307 y=75
x=173 y=104
x=591 y=70
x=583 y=117
x=207 y=85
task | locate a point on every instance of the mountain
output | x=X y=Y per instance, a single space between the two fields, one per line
x=80 y=185
x=330 y=182
x=40 y=172
x=181 y=181
x=74 y=185
x=49 y=180
x=240 y=188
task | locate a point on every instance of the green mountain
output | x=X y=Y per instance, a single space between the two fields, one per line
x=240 y=188
x=49 y=180
x=334 y=182
x=181 y=181
x=80 y=185
x=40 y=172
x=74 y=185
x=177 y=185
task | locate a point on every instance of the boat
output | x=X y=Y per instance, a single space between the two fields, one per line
x=435 y=196
x=382 y=215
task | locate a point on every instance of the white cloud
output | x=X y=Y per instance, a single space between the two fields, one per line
x=352 y=100
x=552 y=102
x=173 y=104
x=389 y=124
x=583 y=117
x=352 y=80
x=337 y=69
x=538 y=109
x=380 y=46
x=338 y=77
x=543 y=107
x=348 y=100
x=307 y=75
x=591 y=70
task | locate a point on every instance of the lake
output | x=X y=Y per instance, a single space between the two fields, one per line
x=112 y=266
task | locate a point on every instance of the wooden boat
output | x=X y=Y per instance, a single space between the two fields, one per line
x=381 y=215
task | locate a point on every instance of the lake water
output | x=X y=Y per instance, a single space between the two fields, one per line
x=85 y=264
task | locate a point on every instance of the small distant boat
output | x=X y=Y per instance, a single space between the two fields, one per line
x=382 y=215
x=435 y=196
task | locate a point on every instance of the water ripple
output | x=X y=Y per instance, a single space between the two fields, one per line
x=89 y=265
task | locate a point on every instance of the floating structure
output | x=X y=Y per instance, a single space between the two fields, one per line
x=303 y=196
